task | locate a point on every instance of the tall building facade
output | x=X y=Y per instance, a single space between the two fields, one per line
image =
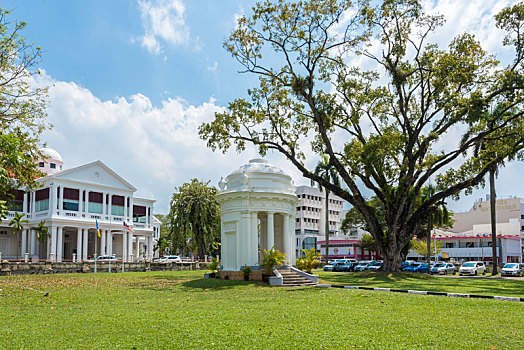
x=310 y=217
x=71 y=204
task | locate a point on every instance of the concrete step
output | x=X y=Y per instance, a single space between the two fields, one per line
x=293 y=279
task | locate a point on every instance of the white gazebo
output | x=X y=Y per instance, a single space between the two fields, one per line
x=258 y=203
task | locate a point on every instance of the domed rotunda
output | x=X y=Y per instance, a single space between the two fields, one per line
x=258 y=203
x=52 y=162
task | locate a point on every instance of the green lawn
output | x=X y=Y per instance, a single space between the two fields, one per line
x=485 y=286
x=180 y=310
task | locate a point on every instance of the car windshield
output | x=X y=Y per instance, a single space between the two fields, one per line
x=511 y=266
x=439 y=265
x=469 y=265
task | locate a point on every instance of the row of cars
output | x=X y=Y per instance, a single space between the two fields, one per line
x=471 y=268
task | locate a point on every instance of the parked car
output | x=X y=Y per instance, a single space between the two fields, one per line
x=338 y=266
x=329 y=267
x=170 y=258
x=472 y=268
x=512 y=269
x=375 y=266
x=362 y=266
x=417 y=267
x=405 y=264
x=348 y=267
x=106 y=258
x=443 y=268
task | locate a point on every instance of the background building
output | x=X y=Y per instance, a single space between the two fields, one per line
x=70 y=203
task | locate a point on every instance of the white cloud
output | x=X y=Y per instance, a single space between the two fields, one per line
x=213 y=67
x=163 y=21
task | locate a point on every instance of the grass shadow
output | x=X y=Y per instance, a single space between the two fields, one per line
x=215 y=284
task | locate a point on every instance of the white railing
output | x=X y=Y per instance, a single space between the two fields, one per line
x=468 y=252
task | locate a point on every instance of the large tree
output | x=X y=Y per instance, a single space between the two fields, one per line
x=195 y=217
x=22 y=109
x=388 y=131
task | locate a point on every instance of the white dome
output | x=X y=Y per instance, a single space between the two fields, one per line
x=51 y=153
x=258 y=165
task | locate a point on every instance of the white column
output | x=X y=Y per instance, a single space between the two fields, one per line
x=109 y=205
x=33 y=197
x=25 y=203
x=130 y=246
x=292 y=240
x=52 y=199
x=85 y=245
x=33 y=242
x=87 y=202
x=253 y=243
x=61 y=201
x=103 y=242
x=104 y=196
x=285 y=238
x=59 y=243
x=125 y=209
x=80 y=203
x=130 y=210
x=23 y=248
x=137 y=247
x=270 y=230
x=79 y=244
x=109 y=244
x=52 y=249
x=124 y=246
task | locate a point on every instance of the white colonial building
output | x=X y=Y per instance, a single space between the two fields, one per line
x=70 y=203
x=258 y=203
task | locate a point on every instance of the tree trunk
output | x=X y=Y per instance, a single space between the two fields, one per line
x=326 y=226
x=428 y=241
x=492 y=200
x=392 y=259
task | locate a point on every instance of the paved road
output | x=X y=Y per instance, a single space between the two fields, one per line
x=485 y=277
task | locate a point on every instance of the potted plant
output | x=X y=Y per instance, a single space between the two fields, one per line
x=309 y=260
x=270 y=259
x=214 y=266
x=246 y=270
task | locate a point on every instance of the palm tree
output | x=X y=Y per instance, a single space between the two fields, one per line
x=17 y=225
x=328 y=173
x=439 y=217
x=42 y=232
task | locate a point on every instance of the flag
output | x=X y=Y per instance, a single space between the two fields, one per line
x=97 y=229
x=126 y=226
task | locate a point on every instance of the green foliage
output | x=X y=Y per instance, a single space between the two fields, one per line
x=22 y=109
x=272 y=258
x=420 y=246
x=195 y=218
x=309 y=260
x=415 y=96
x=214 y=265
x=246 y=270
x=161 y=245
x=368 y=242
x=42 y=232
x=17 y=223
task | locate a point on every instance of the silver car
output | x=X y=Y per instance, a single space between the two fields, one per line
x=472 y=268
x=512 y=269
x=443 y=268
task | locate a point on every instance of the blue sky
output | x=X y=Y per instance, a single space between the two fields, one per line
x=130 y=82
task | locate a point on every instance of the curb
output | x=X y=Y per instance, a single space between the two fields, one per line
x=410 y=291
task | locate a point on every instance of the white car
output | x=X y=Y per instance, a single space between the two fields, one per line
x=472 y=268
x=106 y=258
x=170 y=258
x=512 y=269
x=443 y=268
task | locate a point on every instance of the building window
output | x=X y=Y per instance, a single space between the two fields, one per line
x=309 y=242
x=16 y=201
x=139 y=214
x=117 y=205
x=42 y=200
x=52 y=165
x=41 y=164
x=95 y=202
x=71 y=197
x=449 y=245
x=470 y=244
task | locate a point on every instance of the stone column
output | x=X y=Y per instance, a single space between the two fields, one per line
x=137 y=247
x=79 y=244
x=270 y=230
x=103 y=242
x=285 y=238
x=85 y=245
x=52 y=249
x=253 y=234
x=80 y=204
x=109 y=244
x=59 y=243
x=23 y=248
x=124 y=246
x=33 y=242
x=61 y=201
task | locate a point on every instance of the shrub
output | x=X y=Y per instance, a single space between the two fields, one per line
x=272 y=258
x=309 y=260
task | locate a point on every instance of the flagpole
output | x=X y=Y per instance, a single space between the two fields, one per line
x=96 y=241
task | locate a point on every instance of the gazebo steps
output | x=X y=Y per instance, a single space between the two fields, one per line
x=293 y=279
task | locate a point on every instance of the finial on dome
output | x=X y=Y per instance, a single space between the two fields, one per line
x=222 y=184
